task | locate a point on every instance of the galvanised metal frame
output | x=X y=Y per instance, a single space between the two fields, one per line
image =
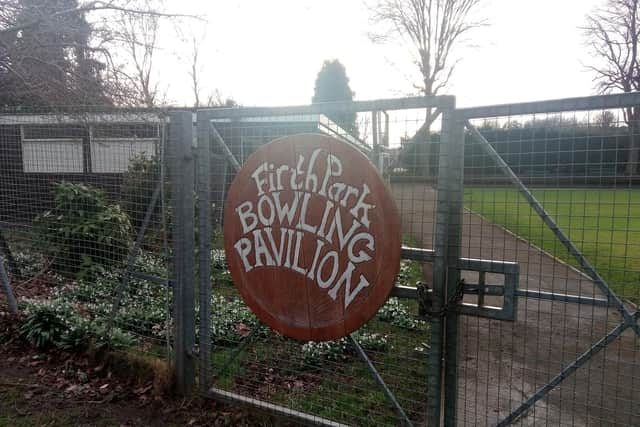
x=203 y=188
x=182 y=173
x=450 y=185
x=133 y=254
x=5 y=250
x=300 y=417
x=629 y=319
x=443 y=269
x=378 y=379
x=508 y=292
x=6 y=287
x=442 y=391
x=510 y=270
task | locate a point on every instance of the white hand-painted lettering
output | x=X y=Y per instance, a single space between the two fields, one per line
x=271 y=236
x=245 y=211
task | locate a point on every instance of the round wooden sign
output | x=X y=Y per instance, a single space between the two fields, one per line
x=312 y=237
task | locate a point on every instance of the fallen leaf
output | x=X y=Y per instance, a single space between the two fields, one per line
x=243 y=330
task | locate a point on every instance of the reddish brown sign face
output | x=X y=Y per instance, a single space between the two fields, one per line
x=312 y=237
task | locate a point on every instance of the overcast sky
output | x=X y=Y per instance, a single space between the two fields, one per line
x=269 y=52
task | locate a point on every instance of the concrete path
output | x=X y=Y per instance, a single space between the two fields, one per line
x=502 y=363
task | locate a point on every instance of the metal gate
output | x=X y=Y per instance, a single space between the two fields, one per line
x=386 y=374
x=515 y=302
x=547 y=187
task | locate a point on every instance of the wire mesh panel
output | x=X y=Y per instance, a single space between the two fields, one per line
x=542 y=326
x=85 y=226
x=569 y=217
x=328 y=381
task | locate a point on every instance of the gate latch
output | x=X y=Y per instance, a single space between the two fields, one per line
x=495 y=300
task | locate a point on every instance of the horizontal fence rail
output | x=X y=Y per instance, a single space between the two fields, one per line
x=586 y=103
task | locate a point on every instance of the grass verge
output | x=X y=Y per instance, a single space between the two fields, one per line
x=603 y=223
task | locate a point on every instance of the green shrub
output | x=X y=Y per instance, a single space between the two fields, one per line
x=231 y=320
x=220 y=274
x=30 y=263
x=316 y=352
x=46 y=322
x=57 y=323
x=396 y=313
x=410 y=273
x=118 y=339
x=138 y=185
x=77 y=334
x=83 y=230
x=143 y=304
x=372 y=341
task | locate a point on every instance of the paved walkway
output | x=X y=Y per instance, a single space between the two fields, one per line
x=502 y=363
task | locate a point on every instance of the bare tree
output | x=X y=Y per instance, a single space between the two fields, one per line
x=214 y=98
x=194 y=73
x=9 y=8
x=138 y=34
x=612 y=33
x=217 y=99
x=70 y=51
x=431 y=30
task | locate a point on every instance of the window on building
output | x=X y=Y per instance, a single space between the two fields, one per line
x=51 y=149
x=113 y=146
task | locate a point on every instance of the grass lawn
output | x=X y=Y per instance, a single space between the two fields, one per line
x=603 y=223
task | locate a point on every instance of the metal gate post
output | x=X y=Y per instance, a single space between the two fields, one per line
x=204 y=267
x=454 y=188
x=182 y=185
x=440 y=261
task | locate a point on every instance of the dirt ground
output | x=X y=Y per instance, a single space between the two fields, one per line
x=502 y=363
x=53 y=388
